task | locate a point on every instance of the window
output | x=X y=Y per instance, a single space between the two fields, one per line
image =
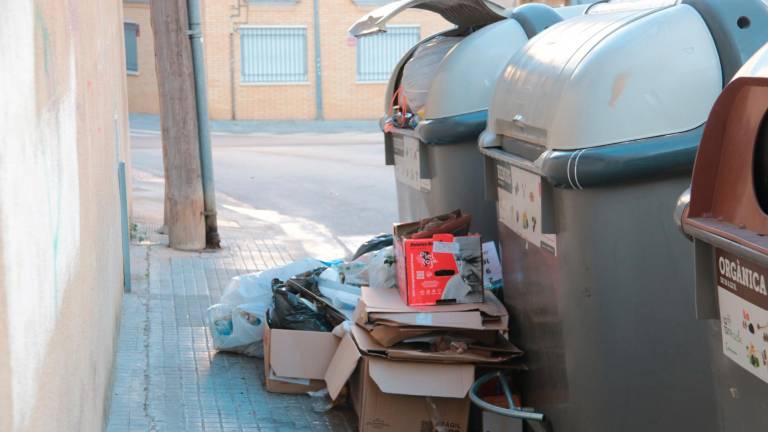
x=378 y=55
x=273 y=55
x=131 y=47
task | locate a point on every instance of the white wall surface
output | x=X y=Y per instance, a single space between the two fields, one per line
x=62 y=130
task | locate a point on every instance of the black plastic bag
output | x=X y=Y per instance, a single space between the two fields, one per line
x=307 y=280
x=377 y=243
x=291 y=312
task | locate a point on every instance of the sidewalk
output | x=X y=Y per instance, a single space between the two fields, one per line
x=167 y=376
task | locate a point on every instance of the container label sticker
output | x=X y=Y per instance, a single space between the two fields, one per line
x=445 y=247
x=493 y=278
x=408 y=163
x=743 y=298
x=519 y=194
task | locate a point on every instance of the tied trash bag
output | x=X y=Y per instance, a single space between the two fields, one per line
x=291 y=312
x=238 y=329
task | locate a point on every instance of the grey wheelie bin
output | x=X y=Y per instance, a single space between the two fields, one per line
x=591 y=137
x=728 y=222
x=450 y=77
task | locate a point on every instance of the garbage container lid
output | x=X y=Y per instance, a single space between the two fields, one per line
x=464 y=81
x=463 y=13
x=596 y=79
x=729 y=191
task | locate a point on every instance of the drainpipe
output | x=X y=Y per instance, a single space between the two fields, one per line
x=212 y=239
x=318 y=70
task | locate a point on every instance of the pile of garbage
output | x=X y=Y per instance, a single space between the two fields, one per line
x=407 y=318
x=237 y=322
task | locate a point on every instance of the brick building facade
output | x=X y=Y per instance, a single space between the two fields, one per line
x=241 y=36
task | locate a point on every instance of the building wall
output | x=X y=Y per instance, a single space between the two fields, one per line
x=64 y=126
x=142 y=87
x=343 y=97
x=222 y=49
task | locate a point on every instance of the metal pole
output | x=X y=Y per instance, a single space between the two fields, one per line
x=318 y=63
x=212 y=238
x=125 y=229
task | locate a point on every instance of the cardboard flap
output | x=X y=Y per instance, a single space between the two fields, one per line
x=286 y=363
x=469 y=357
x=342 y=366
x=421 y=379
x=365 y=342
x=460 y=320
x=389 y=300
x=388 y=336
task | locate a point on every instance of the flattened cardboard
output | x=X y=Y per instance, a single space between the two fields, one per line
x=388 y=300
x=421 y=379
x=368 y=345
x=285 y=357
x=387 y=308
x=388 y=336
x=460 y=320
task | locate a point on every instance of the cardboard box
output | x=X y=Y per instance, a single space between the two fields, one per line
x=501 y=350
x=390 y=320
x=296 y=361
x=401 y=396
x=440 y=270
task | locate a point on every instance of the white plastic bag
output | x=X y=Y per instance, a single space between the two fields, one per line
x=237 y=321
x=354 y=272
x=238 y=329
x=420 y=70
x=256 y=287
x=342 y=296
x=381 y=270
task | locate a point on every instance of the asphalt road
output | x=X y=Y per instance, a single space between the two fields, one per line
x=336 y=180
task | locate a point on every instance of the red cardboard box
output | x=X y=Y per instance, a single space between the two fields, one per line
x=440 y=270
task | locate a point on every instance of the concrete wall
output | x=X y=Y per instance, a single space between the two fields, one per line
x=63 y=123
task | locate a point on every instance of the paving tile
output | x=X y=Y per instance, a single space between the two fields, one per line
x=167 y=375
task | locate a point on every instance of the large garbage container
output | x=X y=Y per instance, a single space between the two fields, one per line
x=591 y=137
x=437 y=166
x=728 y=220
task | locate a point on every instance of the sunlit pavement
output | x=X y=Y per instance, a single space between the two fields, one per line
x=167 y=376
